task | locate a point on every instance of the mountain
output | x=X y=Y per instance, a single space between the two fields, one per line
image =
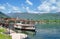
x=45 y=16
x=2 y=15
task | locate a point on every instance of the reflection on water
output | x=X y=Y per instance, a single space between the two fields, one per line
x=44 y=31
x=32 y=33
x=47 y=34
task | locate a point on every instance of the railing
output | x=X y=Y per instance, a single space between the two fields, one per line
x=24 y=24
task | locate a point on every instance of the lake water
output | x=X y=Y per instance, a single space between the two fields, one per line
x=44 y=31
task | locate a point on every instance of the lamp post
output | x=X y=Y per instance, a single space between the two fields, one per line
x=9 y=29
x=8 y=25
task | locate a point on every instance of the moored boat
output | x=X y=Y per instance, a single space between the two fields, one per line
x=24 y=26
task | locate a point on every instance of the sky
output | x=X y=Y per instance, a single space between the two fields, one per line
x=30 y=6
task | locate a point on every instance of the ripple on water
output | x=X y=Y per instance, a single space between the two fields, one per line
x=48 y=34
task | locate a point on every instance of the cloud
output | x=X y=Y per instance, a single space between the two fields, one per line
x=58 y=3
x=27 y=9
x=15 y=8
x=8 y=8
x=2 y=7
x=49 y=6
x=30 y=11
x=35 y=12
x=16 y=11
x=52 y=1
x=45 y=7
x=53 y=8
x=30 y=3
x=11 y=8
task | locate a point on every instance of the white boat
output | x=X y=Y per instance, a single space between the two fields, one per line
x=24 y=26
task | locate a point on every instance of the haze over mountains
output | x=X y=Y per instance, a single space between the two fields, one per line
x=45 y=16
x=2 y=15
x=30 y=16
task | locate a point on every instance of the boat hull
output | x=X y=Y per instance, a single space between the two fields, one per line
x=25 y=29
x=30 y=27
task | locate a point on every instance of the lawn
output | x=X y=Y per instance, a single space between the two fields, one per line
x=2 y=29
x=2 y=35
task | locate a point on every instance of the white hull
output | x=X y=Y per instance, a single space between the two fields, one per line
x=25 y=26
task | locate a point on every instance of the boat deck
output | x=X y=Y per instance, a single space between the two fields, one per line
x=24 y=26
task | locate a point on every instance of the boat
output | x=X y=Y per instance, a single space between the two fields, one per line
x=24 y=26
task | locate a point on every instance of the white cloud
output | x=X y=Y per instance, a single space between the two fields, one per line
x=2 y=7
x=44 y=7
x=58 y=6
x=15 y=8
x=30 y=3
x=27 y=9
x=53 y=8
x=52 y=1
x=12 y=8
x=35 y=12
x=48 y=6
x=23 y=7
x=9 y=8
x=58 y=10
x=14 y=11
x=8 y=4
x=31 y=11
x=9 y=11
x=58 y=3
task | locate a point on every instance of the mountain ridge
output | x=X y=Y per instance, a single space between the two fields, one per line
x=45 y=16
x=2 y=15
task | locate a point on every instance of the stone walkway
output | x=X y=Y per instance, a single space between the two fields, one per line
x=17 y=35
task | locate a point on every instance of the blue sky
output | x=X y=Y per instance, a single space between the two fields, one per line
x=30 y=6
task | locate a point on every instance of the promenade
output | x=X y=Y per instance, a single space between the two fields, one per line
x=17 y=35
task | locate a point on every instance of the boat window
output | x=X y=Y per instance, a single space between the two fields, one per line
x=28 y=22
x=23 y=22
x=18 y=21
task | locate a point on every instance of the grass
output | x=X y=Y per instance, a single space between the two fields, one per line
x=2 y=29
x=2 y=35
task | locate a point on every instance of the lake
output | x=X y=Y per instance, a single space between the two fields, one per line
x=44 y=31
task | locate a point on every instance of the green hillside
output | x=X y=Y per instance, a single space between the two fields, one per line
x=2 y=15
x=46 y=16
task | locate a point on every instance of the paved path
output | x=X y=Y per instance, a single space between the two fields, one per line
x=17 y=35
